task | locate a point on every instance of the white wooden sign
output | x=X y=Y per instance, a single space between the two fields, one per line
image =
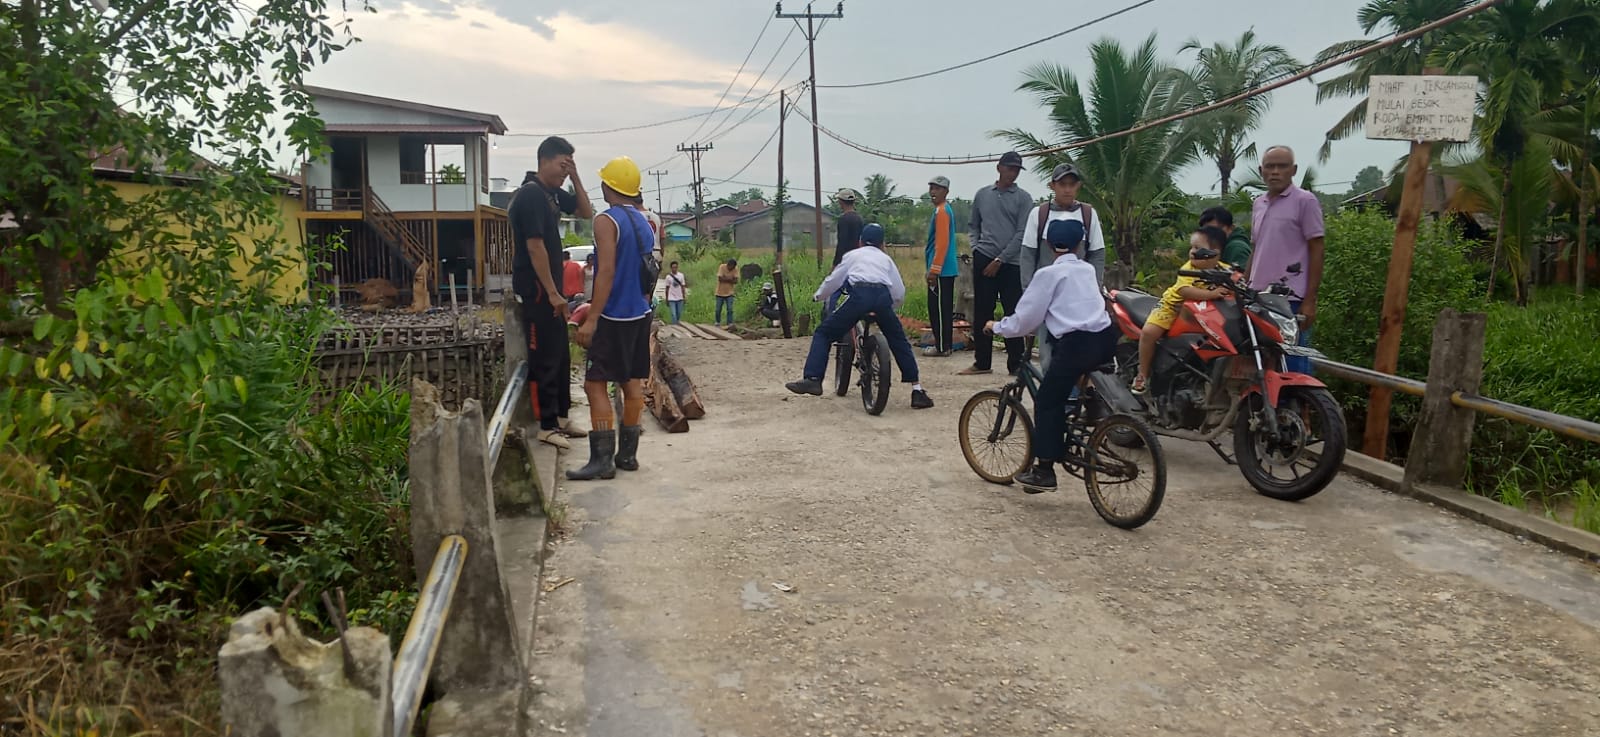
x=1421 y=108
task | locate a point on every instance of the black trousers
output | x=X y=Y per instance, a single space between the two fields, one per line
x=549 y=361
x=1071 y=357
x=1005 y=286
x=941 y=302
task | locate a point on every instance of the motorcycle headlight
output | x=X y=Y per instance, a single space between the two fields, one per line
x=1288 y=325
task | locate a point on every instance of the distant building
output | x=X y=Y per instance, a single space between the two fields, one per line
x=754 y=229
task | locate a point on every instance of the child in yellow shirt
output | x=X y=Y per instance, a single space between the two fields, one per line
x=1205 y=248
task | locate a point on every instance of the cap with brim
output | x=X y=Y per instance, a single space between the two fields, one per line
x=1011 y=158
x=1065 y=170
x=940 y=181
x=845 y=195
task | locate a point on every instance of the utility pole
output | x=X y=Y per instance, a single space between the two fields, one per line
x=694 y=152
x=816 y=143
x=658 y=175
x=783 y=201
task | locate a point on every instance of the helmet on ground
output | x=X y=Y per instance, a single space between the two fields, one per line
x=872 y=234
x=622 y=176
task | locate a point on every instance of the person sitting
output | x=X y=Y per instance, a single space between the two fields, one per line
x=769 y=304
x=1065 y=298
x=1205 y=248
x=871 y=285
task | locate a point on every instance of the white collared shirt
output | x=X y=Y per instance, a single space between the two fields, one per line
x=1064 y=296
x=867 y=265
x=1030 y=232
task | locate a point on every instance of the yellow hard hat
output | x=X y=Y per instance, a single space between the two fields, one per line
x=622 y=176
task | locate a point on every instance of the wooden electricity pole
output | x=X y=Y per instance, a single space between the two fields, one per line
x=699 y=193
x=816 y=143
x=783 y=197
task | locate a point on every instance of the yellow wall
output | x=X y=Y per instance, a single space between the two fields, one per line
x=291 y=286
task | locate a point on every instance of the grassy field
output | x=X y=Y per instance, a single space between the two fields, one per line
x=802 y=275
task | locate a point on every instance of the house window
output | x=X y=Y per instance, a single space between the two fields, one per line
x=423 y=161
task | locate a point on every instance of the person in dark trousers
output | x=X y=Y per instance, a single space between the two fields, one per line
x=535 y=215
x=1237 y=250
x=848 y=228
x=1065 y=298
x=616 y=330
x=998 y=212
x=871 y=282
x=940 y=258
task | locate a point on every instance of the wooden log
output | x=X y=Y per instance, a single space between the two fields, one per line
x=683 y=390
x=658 y=396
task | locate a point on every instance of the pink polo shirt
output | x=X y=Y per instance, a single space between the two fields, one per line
x=1281 y=228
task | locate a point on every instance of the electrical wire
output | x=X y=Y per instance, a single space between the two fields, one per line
x=776 y=83
x=736 y=74
x=641 y=126
x=752 y=160
x=1012 y=50
x=1257 y=91
x=776 y=52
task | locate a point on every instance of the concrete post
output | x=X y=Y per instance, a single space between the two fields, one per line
x=451 y=494
x=965 y=296
x=1443 y=438
x=278 y=683
x=516 y=342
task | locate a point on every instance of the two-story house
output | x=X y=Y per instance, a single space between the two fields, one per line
x=405 y=184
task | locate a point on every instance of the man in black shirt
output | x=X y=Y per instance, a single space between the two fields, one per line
x=849 y=224
x=535 y=215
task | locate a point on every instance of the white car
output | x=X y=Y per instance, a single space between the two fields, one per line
x=580 y=253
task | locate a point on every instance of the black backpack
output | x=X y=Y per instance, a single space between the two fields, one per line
x=1044 y=219
x=649 y=264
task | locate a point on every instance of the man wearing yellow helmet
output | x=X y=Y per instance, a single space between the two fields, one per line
x=616 y=330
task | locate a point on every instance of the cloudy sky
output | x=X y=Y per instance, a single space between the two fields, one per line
x=554 y=66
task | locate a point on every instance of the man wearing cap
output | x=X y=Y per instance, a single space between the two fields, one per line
x=848 y=228
x=998 y=212
x=872 y=285
x=1065 y=181
x=616 y=328
x=942 y=265
x=535 y=217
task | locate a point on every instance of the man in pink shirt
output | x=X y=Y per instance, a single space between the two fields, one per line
x=1286 y=225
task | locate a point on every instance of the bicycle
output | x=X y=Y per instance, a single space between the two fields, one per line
x=996 y=425
x=862 y=350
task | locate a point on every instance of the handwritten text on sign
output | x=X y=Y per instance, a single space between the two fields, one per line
x=1431 y=108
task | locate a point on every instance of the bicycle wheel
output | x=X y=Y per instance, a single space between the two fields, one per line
x=844 y=359
x=996 y=436
x=1125 y=484
x=874 y=374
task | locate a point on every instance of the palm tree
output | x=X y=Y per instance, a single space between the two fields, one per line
x=881 y=203
x=1519 y=50
x=1222 y=71
x=1410 y=57
x=1122 y=177
x=1520 y=194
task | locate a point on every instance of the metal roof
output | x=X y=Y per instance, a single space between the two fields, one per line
x=496 y=125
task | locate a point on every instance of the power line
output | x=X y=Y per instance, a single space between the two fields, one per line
x=758 y=79
x=1257 y=91
x=775 y=84
x=642 y=126
x=1012 y=50
x=752 y=158
x=735 y=79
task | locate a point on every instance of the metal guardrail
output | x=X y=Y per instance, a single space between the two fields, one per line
x=415 y=659
x=501 y=420
x=1569 y=426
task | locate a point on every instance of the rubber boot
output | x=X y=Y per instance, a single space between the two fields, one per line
x=602 y=446
x=628 y=447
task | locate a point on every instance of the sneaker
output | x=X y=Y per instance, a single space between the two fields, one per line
x=932 y=352
x=554 y=438
x=920 y=399
x=1039 y=479
x=806 y=386
x=1138 y=385
x=973 y=371
x=571 y=429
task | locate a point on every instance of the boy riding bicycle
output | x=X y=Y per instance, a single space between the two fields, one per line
x=872 y=285
x=1065 y=297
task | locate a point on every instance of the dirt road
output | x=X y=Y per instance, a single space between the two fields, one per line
x=927 y=602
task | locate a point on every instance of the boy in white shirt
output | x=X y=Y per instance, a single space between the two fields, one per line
x=1065 y=181
x=1064 y=298
x=872 y=284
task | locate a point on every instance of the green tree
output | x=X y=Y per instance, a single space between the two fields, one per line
x=1368 y=179
x=1409 y=57
x=1519 y=51
x=1221 y=71
x=1124 y=176
x=738 y=198
x=150 y=88
x=452 y=174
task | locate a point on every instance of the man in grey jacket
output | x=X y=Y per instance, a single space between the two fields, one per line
x=998 y=212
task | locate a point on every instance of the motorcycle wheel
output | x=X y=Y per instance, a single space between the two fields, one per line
x=1306 y=456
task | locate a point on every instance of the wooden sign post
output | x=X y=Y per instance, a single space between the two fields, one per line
x=1419 y=109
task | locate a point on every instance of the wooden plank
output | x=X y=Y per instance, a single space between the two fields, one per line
x=697 y=331
x=719 y=333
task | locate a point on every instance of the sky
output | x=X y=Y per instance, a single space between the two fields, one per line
x=556 y=66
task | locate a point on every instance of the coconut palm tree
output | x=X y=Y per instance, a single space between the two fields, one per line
x=1523 y=204
x=1221 y=71
x=1410 y=57
x=1122 y=177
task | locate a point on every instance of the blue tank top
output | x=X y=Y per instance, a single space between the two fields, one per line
x=634 y=238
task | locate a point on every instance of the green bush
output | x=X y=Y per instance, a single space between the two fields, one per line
x=167 y=464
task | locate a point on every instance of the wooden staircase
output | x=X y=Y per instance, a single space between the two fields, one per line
x=394 y=233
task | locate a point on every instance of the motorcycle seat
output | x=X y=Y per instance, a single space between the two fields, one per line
x=1138 y=304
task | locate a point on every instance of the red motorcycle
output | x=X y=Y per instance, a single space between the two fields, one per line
x=1221 y=367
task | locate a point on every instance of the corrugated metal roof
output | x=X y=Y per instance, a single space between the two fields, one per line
x=494 y=123
x=404 y=128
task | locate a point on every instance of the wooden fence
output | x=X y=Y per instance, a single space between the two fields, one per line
x=465 y=360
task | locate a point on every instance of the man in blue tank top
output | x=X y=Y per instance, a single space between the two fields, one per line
x=616 y=330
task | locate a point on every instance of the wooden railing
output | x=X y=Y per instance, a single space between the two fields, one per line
x=329 y=199
x=412 y=250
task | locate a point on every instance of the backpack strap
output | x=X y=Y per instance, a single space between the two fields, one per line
x=1088 y=220
x=1044 y=219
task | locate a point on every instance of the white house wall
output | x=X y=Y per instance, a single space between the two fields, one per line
x=383 y=175
x=346 y=112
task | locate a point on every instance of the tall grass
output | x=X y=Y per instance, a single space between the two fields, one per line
x=802 y=276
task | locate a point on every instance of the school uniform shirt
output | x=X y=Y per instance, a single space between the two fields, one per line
x=1064 y=297
x=867 y=265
